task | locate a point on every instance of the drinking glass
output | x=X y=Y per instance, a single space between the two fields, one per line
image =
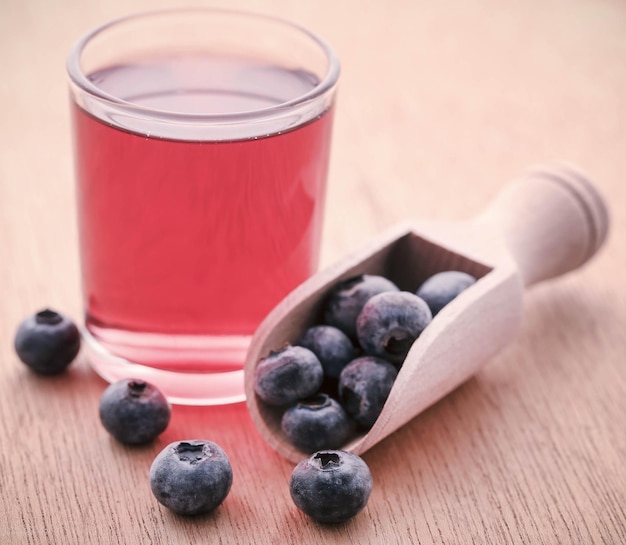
x=201 y=143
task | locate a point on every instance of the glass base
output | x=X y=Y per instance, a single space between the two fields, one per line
x=189 y=370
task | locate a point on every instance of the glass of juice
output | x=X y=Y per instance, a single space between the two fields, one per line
x=201 y=143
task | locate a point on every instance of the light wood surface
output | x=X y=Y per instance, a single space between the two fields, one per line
x=440 y=103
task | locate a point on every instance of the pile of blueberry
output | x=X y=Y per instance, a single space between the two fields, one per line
x=189 y=477
x=369 y=327
x=336 y=377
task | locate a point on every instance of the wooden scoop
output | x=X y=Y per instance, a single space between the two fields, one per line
x=544 y=224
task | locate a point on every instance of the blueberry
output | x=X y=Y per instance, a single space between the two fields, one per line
x=441 y=288
x=191 y=477
x=47 y=342
x=331 y=486
x=332 y=347
x=133 y=411
x=315 y=423
x=390 y=322
x=288 y=375
x=364 y=386
x=345 y=301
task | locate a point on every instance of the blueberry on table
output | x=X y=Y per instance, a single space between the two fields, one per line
x=191 y=477
x=390 y=322
x=364 y=386
x=345 y=301
x=47 y=342
x=332 y=346
x=316 y=423
x=134 y=411
x=443 y=287
x=288 y=375
x=331 y=486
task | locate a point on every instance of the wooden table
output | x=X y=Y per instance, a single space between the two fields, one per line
x=440 y=103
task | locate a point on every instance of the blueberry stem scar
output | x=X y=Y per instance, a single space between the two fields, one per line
x=136 y=387
x=327 y=459
x=398 y=343
x=48 y=316
x=190 y=453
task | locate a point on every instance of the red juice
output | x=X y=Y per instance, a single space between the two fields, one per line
x=188 y=243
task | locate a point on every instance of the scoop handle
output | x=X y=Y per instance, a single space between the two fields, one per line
x=553 y=220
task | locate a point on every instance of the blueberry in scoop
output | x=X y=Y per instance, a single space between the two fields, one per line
x=288 y=375
x=364 y=386
x=318 y=422
x=332 y=346
x=441 y=288
x=390 y=322
x=345 y=301
x=331 y=486
x=47 y=342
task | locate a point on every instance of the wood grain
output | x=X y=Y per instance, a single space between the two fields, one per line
x=439 y=104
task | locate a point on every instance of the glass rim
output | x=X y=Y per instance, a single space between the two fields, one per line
x=82 y=82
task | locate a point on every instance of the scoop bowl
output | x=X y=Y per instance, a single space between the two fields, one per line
x=549 y=221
